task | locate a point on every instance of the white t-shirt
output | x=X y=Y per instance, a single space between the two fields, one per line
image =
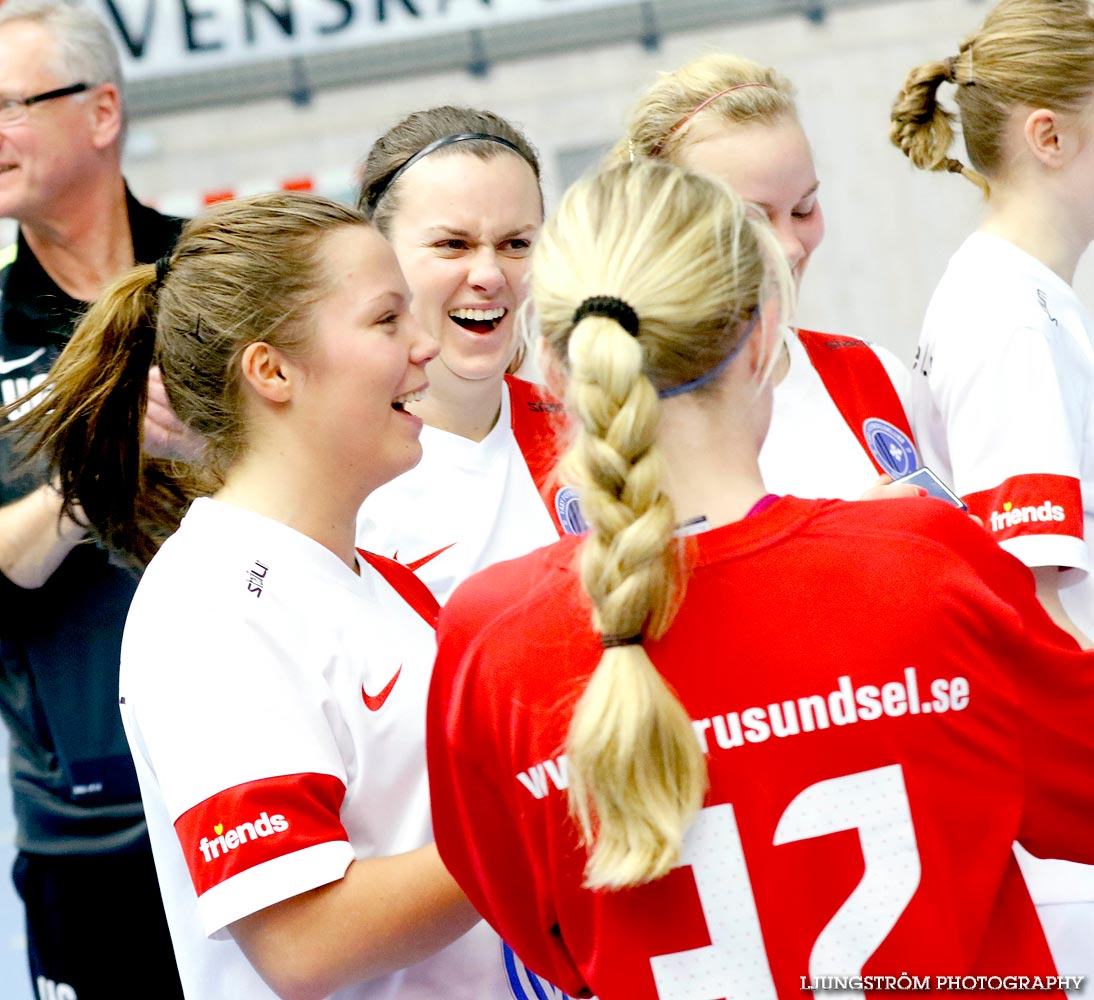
x=467 y=504
x=1003 y=406
x=274 y=702
x=810 y=451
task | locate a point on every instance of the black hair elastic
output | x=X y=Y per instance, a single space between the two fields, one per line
x=612 y=308
x=163 y=265
x=611 y=641
x=381 y=187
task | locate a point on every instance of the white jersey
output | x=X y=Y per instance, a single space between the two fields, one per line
x=810 y=450
x=1003 y=406
x=468 y=504
x=274 y=702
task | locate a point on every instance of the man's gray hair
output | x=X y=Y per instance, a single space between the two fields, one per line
x=86 y=52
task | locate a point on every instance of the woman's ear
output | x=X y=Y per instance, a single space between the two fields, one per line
x=554 y=376
x=264 y=369
x=1047 y=138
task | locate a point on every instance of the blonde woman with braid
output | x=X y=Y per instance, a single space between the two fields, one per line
x=1003 y=391
x=727 y=739
x=839 y=419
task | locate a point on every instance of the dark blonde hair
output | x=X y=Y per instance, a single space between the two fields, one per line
x=695 y=264
x=244 y=271
x=743 y=91
x=1031 y=53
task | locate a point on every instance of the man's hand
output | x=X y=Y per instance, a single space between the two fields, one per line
x=165 y=436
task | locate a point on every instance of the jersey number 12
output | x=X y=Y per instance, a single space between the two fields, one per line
x=734 y=964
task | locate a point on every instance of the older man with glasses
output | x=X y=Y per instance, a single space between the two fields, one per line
x=83 y=850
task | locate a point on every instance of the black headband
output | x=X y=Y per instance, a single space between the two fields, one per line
x=381 y=187
x=610 y=306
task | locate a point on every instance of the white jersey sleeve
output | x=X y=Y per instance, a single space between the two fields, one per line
x=256 y=800
x=1003 y=407
x=1003 y=397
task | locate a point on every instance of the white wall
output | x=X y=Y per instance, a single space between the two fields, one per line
x=890 y=227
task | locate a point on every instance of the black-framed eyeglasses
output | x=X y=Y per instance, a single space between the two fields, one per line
x=14 y=109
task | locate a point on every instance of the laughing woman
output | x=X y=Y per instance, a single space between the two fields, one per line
x=457 y=192
x=839 y=416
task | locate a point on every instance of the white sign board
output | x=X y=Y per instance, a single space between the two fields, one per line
x=171 y=37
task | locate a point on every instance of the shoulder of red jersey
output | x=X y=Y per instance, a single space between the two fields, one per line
x=912 y=516
x=491 y=592
x=918 y=523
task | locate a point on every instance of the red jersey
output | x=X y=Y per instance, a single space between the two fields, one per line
x=884 y=706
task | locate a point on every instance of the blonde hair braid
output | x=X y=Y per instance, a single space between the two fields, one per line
x=693 y=263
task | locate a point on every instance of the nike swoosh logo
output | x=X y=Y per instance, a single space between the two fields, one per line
x=417 y=564
x=10 y=366
x=374 y=702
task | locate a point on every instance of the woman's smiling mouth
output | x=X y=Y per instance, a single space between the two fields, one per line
x=478 y=320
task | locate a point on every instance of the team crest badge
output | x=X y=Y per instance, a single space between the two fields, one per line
x=891 y=447
x=569 y=511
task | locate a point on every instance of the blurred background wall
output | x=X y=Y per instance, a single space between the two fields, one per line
x=567 y=72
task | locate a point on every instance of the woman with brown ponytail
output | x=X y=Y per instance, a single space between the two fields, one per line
x=1003 y=387
x=728 y=740
x=273 y=678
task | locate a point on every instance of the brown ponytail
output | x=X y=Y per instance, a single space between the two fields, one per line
x=247 y=270
x=90 y=419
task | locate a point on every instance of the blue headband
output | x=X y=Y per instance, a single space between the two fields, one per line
x=710 y=376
